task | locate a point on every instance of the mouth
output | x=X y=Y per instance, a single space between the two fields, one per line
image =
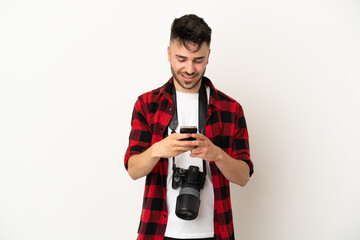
x=188 y=78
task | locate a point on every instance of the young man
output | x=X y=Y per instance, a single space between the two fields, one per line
x=219 y=153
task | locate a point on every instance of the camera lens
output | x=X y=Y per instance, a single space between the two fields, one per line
x=188 y=203
x=186 y=214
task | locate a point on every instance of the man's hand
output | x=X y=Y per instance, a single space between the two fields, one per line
x=204 y=148
x=140 y=165
x=172 y=145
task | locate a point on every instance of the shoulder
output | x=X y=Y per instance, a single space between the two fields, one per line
x=229 y=104
x=151 y=100
x=222 y=101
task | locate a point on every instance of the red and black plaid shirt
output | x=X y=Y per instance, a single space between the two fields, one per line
x=225 y=127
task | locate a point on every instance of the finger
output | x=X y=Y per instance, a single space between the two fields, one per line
x=185 y=143
x=182 y=147
x=180 y=136
x=196 y=153
x=194 y=143
x=199 y=136
x=184 y=136
x=181 y=150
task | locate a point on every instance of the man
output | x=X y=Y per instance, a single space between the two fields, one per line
x=157 y=149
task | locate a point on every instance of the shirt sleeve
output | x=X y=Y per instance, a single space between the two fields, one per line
x=140 y=135
x=241 y=149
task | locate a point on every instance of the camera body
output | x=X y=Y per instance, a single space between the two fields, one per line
x=190 y=181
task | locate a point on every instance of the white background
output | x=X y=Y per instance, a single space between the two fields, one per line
x=71 y=71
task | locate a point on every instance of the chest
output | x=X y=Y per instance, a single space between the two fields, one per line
x=187 y=109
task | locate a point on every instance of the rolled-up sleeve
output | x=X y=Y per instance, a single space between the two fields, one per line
x=140 y=136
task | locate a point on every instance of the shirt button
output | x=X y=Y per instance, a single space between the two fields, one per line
x=170 y=109
x=164 y=216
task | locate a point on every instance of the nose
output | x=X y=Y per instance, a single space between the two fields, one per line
x=189 y=68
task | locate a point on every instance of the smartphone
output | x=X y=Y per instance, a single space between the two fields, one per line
x=188 y=129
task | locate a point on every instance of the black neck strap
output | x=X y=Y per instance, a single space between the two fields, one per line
x=203 y=108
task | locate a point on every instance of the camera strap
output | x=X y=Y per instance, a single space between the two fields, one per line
x=203 y=114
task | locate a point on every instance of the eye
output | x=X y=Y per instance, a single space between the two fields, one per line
x=181 y=60
x=199 y=61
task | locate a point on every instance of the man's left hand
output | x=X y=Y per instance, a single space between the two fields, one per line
x=204 y=148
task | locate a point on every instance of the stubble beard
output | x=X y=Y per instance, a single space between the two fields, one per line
x=183 y=84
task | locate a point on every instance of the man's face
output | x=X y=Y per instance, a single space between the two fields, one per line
x=188 y=65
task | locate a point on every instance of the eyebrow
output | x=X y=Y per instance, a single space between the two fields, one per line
x=183 y=57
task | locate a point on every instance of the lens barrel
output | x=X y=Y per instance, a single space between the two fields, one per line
x=188 y=203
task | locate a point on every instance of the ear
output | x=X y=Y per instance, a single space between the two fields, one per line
x=168 y=51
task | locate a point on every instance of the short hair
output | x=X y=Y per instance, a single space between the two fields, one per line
x=190 y=28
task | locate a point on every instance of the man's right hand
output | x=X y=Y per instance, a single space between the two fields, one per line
x=140 y=165
x=172 y=145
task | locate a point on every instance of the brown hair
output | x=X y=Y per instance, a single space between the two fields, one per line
x=190 y=28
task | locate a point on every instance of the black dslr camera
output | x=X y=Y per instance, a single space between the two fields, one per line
x=190 y=181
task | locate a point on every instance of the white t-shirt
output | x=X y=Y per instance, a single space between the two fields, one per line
x=203 y=225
